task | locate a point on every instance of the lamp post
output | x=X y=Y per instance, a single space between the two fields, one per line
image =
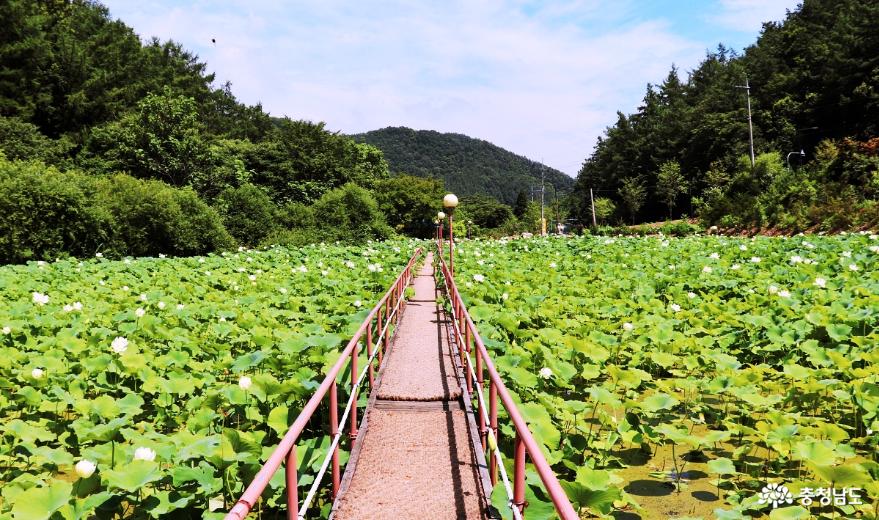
x=801 y=153
x=440 y=217
x=450 y=202
x=469 y=223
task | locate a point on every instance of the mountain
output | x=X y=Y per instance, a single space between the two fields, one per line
x=468 y=166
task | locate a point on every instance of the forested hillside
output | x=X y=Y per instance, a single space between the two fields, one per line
x=114 y=145
x=468 y=166
x=814 y=82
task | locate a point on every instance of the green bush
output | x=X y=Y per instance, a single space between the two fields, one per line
x=45 y=214
x=23 y=141
x=151 y=217
x=248 y=213
x=350 y=213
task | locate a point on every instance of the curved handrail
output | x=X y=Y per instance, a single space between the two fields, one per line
x=286 y=448
x=525 y=443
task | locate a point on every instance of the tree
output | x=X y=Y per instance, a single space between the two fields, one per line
x=409 y=203
x=161 y=140
x=604 y=209
x=521 y=205
x=485 y=212
x=670 y=183
x=634 y=193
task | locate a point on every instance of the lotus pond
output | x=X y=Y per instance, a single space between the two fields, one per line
x=154 y=387
x=680 y=378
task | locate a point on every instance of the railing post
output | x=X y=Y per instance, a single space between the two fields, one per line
x=334 y=430
x=492 y=418
x=388 y=322
x=369 y=355
x=519 y=476
x=292 y=485
x=353 y=431
x=483 y=431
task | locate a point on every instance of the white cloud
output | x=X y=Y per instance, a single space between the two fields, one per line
x=542 y=81
x=749 y=15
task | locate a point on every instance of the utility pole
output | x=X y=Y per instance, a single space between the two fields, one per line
x=542 y=191
x=592 y=201
x=747 y=87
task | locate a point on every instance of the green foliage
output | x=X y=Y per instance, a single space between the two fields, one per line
x=206 y=323
x=350 y=213
x=23 y=141
x=409 y=203
x=150 y=217
x=604 y=209
x=670 y=184
x=485 y=212
x=161 y=140
x=466 y=165
x=633 y=194
x=45 y=213
x=248 y=213
x=809 y=83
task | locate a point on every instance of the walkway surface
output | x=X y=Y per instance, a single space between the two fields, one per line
x=414 y=456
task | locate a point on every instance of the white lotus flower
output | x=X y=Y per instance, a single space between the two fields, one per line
x=755 y=259
x=119 y=345
x=85 y=468
x=821 y=282
x=505 y=296
x=125 y=288
x=282 y=290
x=852 y=267
x=303 y=269
x=874 y=237
x=161 y=305
x=691 y=295
x=99 y=255
x=706 y=269
x=628 y=327
x=252 y=278
x=796 y=259
x=143 y=297
x=358 y=303
x=743 y=247
x=244 y=382
x=37 y=373
x=675 y=307
x=77 y=306
x=714 y=256
x=127 y=261
x=735 y=267
x=545 y=373
x=847 y=254
x=372 y=268
x=784 y=293
x=713 y=228
x=480 y=262
x=201 y=260
x=349 y=264
x=180 y=306
x=773 y=289
x=68 y=308
x=552 y=265
x=139 y=312
x=40 y=298
x=207 y=273
x=146 y=454
x=102 y=282
x=325 y=273
x=478 y=278
x=161 y=255
x=874 y=249
x=6 y=330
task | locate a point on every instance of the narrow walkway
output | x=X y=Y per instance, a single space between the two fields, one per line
x=414 y=456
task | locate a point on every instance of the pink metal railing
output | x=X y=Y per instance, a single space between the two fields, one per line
x=466 y=337
x=383 y=314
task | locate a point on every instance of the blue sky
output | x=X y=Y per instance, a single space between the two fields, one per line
x=540 y=78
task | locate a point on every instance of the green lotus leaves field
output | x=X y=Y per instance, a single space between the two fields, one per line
x=151 y=387
x=690 y=371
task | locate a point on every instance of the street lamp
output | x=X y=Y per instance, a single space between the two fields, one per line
x=439 y=218
x=469 y=223
x=450 y=202
x=801 y=153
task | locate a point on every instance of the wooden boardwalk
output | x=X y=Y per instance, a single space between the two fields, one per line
x=415 y=455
